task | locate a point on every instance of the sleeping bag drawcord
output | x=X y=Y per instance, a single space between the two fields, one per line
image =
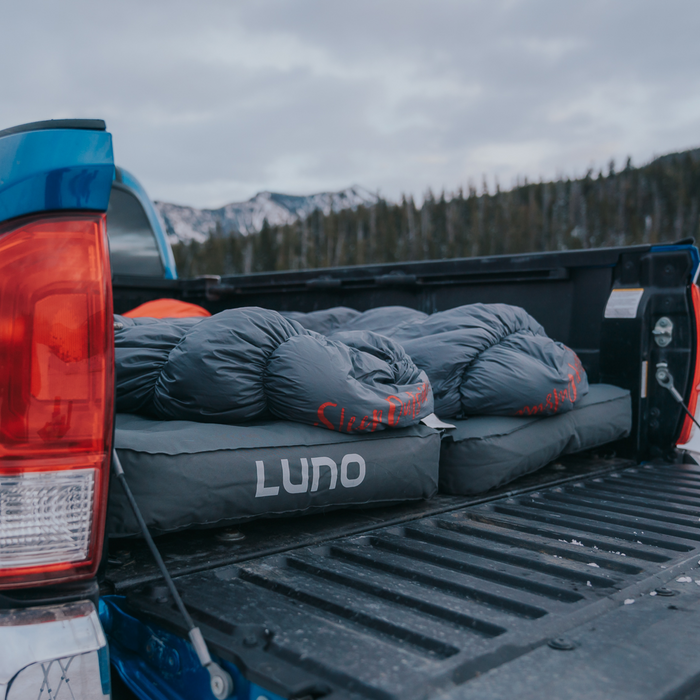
x=220 y=681
x=665 y=378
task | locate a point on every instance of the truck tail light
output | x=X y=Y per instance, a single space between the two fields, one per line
x=688 y=424
x=56 y=397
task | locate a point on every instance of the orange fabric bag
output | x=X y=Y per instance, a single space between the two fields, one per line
x=167 y=308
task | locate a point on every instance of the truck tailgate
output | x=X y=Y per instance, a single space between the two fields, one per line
x=576 y=572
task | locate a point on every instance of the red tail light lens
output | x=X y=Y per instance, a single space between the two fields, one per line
x=56 y=397
x=693 y=400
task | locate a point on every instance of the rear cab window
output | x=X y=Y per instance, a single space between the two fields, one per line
x=132 y=242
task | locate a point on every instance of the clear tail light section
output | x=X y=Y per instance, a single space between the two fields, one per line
x=56 y=397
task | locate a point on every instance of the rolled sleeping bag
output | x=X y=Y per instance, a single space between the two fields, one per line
x=167 y=308
x=250 y=363
x=373 y=384
x=523 y=375
x=341 y=318
x=142 y=347
x=485 y=359
x=383 y=319
x=325 y=321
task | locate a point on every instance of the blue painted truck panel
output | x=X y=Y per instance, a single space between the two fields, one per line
x=49 y=166
x=158 y=665
x=55 y=170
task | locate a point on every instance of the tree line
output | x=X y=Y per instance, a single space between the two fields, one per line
x=650 y=204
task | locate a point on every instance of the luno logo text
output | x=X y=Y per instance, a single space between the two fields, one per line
x=352 y=463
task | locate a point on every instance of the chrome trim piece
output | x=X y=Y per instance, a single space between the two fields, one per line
x=46 y=636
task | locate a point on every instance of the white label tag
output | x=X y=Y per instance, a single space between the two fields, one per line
x=432 y=421
x=623 y=303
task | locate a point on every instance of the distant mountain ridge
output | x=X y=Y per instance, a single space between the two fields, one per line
x=657 y=202
x=184 y=224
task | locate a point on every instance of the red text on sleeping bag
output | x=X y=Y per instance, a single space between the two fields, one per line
x=388 y=414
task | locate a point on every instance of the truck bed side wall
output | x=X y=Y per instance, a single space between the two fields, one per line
x=565 y=291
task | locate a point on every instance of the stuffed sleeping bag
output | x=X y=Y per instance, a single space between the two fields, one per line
x=251 y=363
x=481 y=359
x=384 y=368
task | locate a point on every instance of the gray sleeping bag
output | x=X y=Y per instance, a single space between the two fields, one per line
x=481 y=359
x=373 y=370
x=250 y=363
x=325 y=321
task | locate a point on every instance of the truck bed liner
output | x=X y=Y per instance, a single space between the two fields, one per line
x=420 y=608
x=131 y=564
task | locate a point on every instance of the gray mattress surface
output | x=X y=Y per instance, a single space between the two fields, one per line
x=484 y=452
x=186 y=474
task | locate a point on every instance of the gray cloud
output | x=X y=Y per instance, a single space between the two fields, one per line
x=212 y=102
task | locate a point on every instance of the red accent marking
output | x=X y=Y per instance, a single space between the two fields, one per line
x=578 y=376
x=322 y=418
x=573 y=388
x=392 y=410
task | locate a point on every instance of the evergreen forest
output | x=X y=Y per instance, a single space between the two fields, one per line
x=650 y=204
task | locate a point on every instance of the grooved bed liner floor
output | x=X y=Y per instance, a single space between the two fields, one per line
x=422 y=608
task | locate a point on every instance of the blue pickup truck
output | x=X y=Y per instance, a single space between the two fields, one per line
x=578 y=580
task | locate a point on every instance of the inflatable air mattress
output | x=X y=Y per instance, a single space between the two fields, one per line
x=187 y=474
x=484 y=452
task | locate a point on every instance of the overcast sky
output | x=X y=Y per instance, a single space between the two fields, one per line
x=212 y=101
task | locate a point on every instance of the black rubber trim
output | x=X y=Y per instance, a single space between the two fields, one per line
x=58 y=594
x=80 y=124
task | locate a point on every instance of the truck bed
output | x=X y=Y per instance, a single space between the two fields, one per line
x=525 y=592
x=540 y=589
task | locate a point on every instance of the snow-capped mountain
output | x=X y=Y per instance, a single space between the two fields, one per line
x=184 y=224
